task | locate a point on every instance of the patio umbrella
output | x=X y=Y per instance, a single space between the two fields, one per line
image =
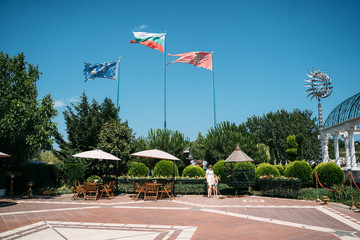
x=238 y=156
x=97 y=154
x=4 y=155
x=155 y=153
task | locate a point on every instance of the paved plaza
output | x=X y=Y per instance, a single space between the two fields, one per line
x=187 y=217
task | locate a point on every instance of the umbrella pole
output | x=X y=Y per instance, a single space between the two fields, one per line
x=174 y=177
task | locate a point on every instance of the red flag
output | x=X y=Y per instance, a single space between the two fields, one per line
x=198 y=59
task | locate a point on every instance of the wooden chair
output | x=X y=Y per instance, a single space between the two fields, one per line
x=138 y=190
x=108 y=190
x=91 y=191
x=78 y=190
x=151 y=191
x=168 y=190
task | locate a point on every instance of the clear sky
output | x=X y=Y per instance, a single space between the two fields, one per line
x=262 y=51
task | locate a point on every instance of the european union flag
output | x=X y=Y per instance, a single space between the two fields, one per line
x=101 y=70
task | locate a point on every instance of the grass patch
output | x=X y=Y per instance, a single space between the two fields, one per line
x=310 y=194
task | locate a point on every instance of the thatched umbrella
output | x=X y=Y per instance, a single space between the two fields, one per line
x=238 y=156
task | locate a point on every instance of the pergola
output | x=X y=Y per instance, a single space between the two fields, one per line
x=343 y=121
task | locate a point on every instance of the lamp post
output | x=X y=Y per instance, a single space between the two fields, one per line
x=11 y=193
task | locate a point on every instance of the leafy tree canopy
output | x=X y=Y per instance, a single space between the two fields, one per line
x=273 y=129
x=221 y=141
x=26 y=123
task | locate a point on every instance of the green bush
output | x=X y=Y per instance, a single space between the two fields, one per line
x=281 y=168
x=265 y=169
x=244 y=166
x=92 y=178
x=244 y=171
x=220 y=171
x=164 y=168
x=301 y=170
x=329 y=174
x=74 y=172
x=193 y=171
x=138 y=169
x=43 y=176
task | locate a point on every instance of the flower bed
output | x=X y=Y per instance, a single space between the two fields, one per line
x=287 y=187
x=183 y=185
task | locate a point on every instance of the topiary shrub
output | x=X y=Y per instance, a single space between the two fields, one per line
x=193 y=171
x=281 y=168
x=301 y=170
x=138 y=169
x=265 y=169
x=164 y=168
x=92 y=178
x=219 y=170
x=329 y=174
x=244 y=171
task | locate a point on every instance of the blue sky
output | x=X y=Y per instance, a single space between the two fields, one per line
x=262 y=51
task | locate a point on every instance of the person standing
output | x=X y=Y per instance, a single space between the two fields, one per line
x=210 y=179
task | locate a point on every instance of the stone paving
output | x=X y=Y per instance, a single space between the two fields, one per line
x=187 y=217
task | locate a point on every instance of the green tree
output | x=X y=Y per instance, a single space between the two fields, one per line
x=221 y=141
x=274 y=127
x=167 y=140
x=26 y=124
x=118 y=139
x=84 y=121
x=197 y=148
x=292 y=151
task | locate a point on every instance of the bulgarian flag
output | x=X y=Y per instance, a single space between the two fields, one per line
x=198 y=59
x=151 y=40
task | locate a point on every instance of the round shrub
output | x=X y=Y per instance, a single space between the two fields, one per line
x=138 y=169
x=92 y=178
x=164 y=168
x=265 y=169
x=301 y=170
x=281 y=168
x=219 y=170
x=193 y=171
x=244 y=166
x=244 y=176
x=329 y=174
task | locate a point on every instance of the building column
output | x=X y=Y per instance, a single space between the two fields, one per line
x=347 y=151
x=336 y=148
x=352 y=147
x=324 y=140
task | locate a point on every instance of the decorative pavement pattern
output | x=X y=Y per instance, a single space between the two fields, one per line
x=187 y=217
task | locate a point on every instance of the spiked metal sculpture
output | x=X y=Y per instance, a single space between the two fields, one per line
x=319 y=86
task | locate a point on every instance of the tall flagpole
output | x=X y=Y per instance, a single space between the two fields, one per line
x=213 y=86
x=165 y=80
x=118 y=90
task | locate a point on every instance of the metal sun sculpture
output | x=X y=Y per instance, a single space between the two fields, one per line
x=319 y=87
x=319 y=84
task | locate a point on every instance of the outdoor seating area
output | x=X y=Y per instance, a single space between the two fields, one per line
x=153 y=191
x=93 y=191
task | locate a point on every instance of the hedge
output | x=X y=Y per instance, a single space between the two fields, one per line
x=164 y=168
x=301 y=170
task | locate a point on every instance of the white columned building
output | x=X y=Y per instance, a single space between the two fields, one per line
x=343 y=121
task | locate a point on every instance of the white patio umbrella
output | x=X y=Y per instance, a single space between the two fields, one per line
x=96 y=154
x=155 y=153
x=4 y=155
